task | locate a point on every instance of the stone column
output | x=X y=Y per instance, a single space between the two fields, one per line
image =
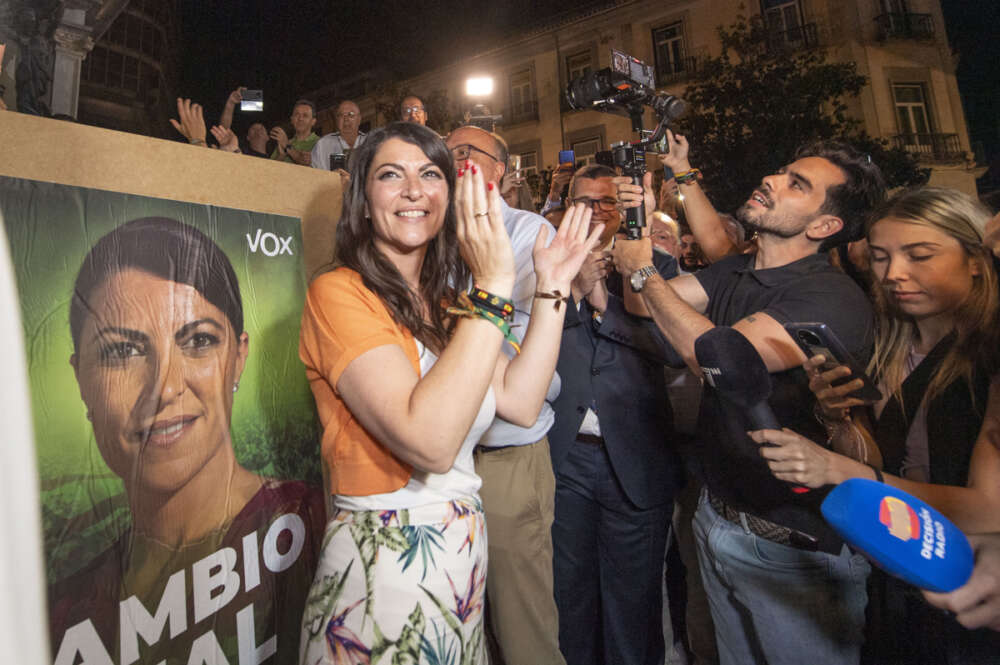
x=73 y=42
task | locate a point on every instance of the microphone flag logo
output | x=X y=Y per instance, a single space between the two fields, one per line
x=899 y=518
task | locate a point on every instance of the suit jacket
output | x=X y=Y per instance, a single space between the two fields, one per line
x=617 y=364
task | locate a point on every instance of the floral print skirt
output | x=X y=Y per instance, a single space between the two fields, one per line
x=399 y=586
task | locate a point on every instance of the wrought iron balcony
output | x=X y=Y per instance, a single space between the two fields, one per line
x=799 y=37
x=931 y=147
x=905 y=26
x=680 y=70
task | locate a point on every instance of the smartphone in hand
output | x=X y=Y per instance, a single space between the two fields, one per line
x=253 y=100
x=816 y=338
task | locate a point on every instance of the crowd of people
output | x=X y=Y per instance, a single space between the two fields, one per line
x=520 y=388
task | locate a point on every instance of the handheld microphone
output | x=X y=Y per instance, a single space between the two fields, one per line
x=733 y=367
x=900 y=533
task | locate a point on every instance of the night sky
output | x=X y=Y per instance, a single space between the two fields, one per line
x=288 y=48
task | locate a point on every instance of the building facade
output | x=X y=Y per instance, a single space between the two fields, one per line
x=911 y=98
x=128 y=80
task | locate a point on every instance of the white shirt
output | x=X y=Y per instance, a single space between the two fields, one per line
x=425 y=487
x=332 y=144
x=522 y=228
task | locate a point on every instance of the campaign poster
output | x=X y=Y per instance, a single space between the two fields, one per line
x=176 y=435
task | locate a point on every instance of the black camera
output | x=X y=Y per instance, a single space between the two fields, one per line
x=626 y=88
x=338 y=161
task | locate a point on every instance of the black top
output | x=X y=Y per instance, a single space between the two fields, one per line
x=806 y=290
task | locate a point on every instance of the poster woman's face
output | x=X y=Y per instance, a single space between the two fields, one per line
x=156 y=366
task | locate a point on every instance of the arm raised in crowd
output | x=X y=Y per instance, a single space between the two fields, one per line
x=191 y=123
x=235 y=97
x=706 y=226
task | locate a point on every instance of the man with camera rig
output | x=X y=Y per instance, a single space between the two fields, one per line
x=782 y=586
x=616 y=472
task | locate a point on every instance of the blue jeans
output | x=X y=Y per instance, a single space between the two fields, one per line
x=776 y=604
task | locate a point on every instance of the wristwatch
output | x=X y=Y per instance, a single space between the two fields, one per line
x=639 y=277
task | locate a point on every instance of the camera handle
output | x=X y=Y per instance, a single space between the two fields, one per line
x=635 y=218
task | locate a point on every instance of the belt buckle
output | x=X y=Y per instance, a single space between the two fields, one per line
x=802 y=541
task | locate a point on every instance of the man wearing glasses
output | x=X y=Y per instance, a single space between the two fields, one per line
x=347 y=137
x=514 y=462
x=616 y=470
x=412 y=110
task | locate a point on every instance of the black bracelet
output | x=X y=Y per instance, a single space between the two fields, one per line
x=879 y=478
x=502 y=307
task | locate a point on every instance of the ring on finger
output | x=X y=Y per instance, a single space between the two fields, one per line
x=481 y=214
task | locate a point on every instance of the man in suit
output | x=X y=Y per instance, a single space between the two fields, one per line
x=616 y=473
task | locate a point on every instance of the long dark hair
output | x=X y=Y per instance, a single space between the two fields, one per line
x=443 y=268
x=167 y=249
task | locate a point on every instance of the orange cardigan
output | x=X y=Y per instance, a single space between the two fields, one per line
x=343 y=319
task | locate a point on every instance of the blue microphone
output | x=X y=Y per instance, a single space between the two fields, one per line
x=900 y=533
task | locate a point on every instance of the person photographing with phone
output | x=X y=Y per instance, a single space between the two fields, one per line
x=937 y=311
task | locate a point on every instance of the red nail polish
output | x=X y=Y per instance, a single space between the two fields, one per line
x=474 y=169
x=489 y=186
x=466 y=165
x=461 y=172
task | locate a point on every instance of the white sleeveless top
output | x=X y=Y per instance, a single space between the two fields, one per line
x=425 y=487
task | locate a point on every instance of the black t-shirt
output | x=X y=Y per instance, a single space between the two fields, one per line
x=806 y=290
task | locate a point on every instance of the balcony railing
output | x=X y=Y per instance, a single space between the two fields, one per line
x=905 y=26
x=523 y=112
x=680 y=70
x=931 y=147
x=799 y=37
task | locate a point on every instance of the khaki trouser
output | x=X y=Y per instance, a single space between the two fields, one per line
x=518 y=496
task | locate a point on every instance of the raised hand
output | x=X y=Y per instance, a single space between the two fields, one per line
x=192 y=121
x=226 y=138
x=236 y=96
x=482 y=239
x=557 y=264
x=677 y=155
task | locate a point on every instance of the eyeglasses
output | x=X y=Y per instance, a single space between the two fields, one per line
x=347 y=114
x=462 y=152
x=407 y=110
x=599 y=205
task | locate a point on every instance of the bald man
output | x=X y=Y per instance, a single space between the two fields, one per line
x=518 y=489
x=341 y=142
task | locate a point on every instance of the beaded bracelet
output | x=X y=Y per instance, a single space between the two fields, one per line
x=470 y=310
x=502 y=307
x=685 y=177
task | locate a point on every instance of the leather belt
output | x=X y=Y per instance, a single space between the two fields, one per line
x=592 y=439
x=763 y=528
